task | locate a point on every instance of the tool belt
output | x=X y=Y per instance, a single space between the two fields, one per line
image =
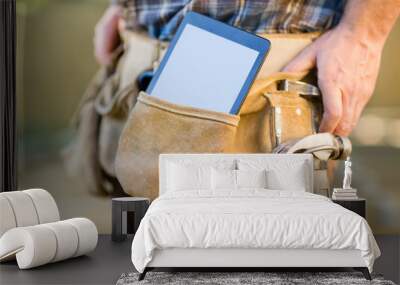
x=122 y=130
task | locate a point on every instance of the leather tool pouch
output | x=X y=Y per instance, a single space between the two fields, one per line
x=155 y=126
x=81 y=156
x=290 y=116
x=98 y=122
x=269 y=116
x=102 y=113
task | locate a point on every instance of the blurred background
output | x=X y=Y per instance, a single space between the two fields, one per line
x=55 y=63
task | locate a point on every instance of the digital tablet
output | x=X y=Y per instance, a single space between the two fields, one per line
x=209 y=65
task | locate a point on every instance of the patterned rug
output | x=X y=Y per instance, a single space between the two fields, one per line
x=243 y=278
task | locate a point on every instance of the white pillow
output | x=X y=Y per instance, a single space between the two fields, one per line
x=188 y=177
x=251 y=178
x=237 y=179
x=294 y=180
x=223 y=179
x=290 y=174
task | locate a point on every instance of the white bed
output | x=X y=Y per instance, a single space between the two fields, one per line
x=248 y=227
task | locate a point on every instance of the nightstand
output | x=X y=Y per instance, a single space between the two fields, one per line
x=357 y=206
x=127 y=212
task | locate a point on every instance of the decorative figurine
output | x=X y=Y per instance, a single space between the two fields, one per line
x=347 y=174
x=346 y=192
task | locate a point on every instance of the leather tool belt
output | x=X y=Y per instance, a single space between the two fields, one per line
x=122 y=130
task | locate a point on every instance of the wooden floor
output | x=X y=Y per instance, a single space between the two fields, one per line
x=110 y=260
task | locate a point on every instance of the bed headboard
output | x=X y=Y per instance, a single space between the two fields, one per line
x=212 y=159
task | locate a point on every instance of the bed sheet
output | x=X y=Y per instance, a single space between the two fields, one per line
x=251 y=218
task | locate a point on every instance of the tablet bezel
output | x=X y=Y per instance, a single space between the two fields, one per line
x=257 y=43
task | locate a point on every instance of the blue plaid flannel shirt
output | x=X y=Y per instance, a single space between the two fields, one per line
x=161 y=18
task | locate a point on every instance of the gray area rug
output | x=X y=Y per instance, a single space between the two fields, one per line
x=233 y=278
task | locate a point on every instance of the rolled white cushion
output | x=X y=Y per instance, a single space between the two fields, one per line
x=33 y=246
x=7 y=218
x=41 y=244
x=46 y=207
x=87 y=233
x=26 y=208
x=67 y=239
x=23 y=208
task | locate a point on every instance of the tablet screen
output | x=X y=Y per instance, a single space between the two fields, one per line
x=204 y=70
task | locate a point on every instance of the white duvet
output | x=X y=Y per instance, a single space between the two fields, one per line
x=250 y=219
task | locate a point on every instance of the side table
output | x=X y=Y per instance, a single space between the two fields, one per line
x=127 y=212
x=358 y=206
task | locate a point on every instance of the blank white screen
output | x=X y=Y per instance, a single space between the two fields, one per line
x=205 y=71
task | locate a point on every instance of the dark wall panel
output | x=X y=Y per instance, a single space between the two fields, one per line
x=8 y=179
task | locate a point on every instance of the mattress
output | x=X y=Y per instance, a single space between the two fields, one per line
x=251 y=219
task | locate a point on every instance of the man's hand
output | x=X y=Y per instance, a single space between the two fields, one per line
x=106 y=37
x=347 y=71
x=347 y=60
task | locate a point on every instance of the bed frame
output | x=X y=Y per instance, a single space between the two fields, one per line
x=249 y=259
x=246 y=259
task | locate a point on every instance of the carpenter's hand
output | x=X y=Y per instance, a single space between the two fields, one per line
x=347 y=67
x=106 y=37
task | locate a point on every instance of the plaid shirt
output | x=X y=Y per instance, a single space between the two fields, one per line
x=161 y=18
